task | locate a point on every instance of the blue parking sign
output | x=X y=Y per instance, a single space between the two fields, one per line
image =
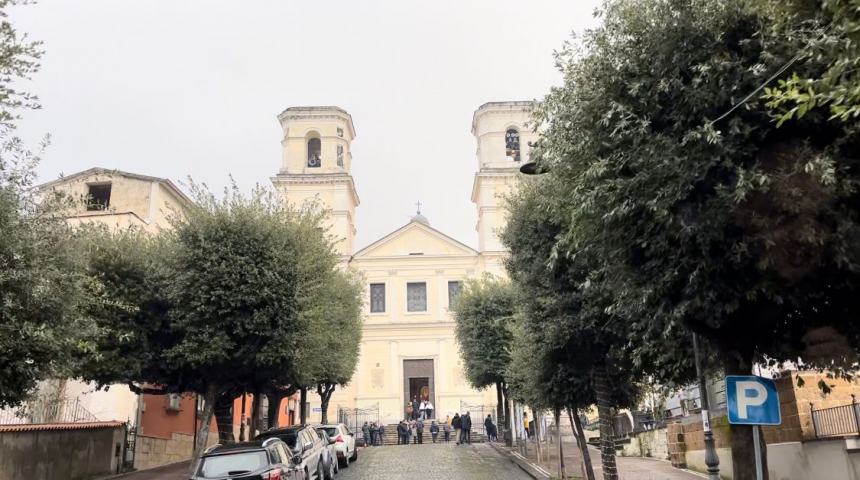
x=752 y=400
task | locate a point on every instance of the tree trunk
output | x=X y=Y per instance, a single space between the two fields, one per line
x=254 y=424
x=508 y=420
x=500 y=404
x=743 y=449
x=324 y=390
x=537 y=435
x=223 y=411
x=273 y=415
x=303 y=408
x=576 y=426
x=561 y=473
x=604 y=413
x=242 y=419
x=209 y=398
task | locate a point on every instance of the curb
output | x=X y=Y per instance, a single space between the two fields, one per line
x=533 y=470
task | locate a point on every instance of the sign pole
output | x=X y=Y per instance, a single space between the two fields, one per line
x=759 y=475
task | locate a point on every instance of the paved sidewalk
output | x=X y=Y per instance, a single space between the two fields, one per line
x=176 y=471
x=629 y=468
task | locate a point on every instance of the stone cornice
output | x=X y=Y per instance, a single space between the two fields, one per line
x=317 y=179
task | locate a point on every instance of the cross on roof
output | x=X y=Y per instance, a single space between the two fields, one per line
x=418 y=204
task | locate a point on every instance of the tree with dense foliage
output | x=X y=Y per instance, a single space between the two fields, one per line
x=484 y=312
x=737 y=229
x=570 y=351
x=41 y=268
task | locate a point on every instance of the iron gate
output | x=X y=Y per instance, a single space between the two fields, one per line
x=355 y=418
x=478 y=413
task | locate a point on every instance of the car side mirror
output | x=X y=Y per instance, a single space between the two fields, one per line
x=297 y=459
x=307 y=446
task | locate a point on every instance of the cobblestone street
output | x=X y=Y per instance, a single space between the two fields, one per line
x=432 y=462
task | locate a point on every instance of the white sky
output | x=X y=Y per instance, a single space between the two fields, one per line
x=174 y=88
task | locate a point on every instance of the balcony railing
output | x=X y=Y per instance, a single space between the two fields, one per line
x=838 y=421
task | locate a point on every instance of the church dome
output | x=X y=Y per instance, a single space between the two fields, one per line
x=421 y=219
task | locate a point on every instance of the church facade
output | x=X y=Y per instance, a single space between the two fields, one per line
x=413 y=274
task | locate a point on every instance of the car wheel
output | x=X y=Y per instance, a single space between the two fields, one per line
x=345 y=462
x=354 y=456
x=336 y=464
x=320 y=470
x=331 y=471
x=307 y=475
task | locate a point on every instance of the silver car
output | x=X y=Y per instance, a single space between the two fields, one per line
x=332 y=466
x=305 y=441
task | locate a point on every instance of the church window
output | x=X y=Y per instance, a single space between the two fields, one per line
x=314 y=152
x=416 y=297
x=340 y=155
x=98 y=196
x=453 y=291
x=512 y=144
x=377 y=297
x=340 y=132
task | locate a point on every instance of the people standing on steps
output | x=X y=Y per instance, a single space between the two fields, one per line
x=413 y=429
x=456 y=422
x=401 y=433
x=434 y=431
x=420 y=428
x=422 y=410
x=365 y=432
x=429 y=410
x=446 y=428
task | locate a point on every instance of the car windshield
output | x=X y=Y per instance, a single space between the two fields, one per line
x=232 y=464
x=287 y=437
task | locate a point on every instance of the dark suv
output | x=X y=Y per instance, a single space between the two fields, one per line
x=305 y=441
x=267 y=459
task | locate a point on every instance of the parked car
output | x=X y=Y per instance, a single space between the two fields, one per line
x=268 y=459
x=344 y=442
x=332 y=466
x=305 y=441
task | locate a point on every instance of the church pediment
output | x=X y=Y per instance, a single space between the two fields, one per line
x=415 y=239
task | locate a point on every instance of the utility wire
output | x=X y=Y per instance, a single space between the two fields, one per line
x=779 y=72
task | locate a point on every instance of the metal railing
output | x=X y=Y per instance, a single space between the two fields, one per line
x=57 y=411
x=836 y=421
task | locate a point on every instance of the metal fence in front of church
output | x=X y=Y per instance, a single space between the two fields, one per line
x=355 y=418
x=478 y=414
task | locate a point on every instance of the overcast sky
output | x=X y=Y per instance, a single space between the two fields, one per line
x=176 y=88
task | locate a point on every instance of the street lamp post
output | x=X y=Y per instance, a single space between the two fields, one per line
x=711 y=458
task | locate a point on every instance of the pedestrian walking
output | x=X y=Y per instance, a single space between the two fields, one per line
x=380 y=435
x=365 y=432
x=429 y=409
x=419 y=427
x=456 y=423
x=446 y=429
x=434 y=431
x=489 y=428
x=373 y=432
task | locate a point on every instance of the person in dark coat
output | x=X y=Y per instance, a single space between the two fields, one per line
x=401 y=433
x=447 y=430
x=490 y=428
x=380 y=435
x=457 y=423
x=466 y=433
x=416 y=406
x=365 y=432
x=434 y=431
x=419 y=428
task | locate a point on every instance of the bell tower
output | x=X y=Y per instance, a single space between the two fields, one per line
x=502 y=136
x=315 y=166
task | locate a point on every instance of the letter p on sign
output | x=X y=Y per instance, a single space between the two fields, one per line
x=752 y=400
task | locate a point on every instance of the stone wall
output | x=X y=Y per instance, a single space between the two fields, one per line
x=60 y=452
x=154 y=452
x=649 y=443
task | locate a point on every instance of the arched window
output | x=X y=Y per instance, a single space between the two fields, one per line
x=314 y=152
x=512 y=144
x=340 y=155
